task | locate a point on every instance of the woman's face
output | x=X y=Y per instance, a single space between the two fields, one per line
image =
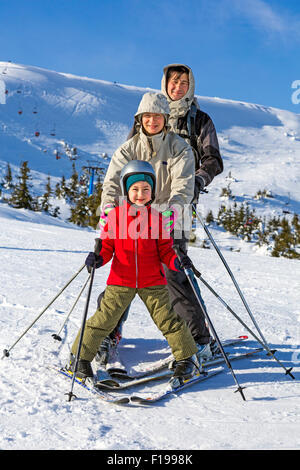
x=153 y=123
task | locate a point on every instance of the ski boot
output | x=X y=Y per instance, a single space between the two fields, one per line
x=204 y=352
x=84 y=368
x=184 y=370
x=103 y=352
x=107 y=348
x=214 y=347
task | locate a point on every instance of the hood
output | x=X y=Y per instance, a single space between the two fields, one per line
x=152 y=102
x=184 y=103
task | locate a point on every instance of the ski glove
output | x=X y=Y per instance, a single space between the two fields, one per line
x=104 y=215
x=199 y=182
x=93 y=260
x=184 y=263
x=199 y=186
x=169 y=218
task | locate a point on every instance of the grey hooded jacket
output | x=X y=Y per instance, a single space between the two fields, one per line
x=170 y=156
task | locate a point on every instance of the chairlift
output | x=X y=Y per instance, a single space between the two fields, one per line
x=34 y=110
x=57 y=156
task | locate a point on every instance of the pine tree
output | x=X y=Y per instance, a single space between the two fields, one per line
x=227 y=192
x=220 y=216
x=73 y=190
x=80 y=213
x=8 y=179
x=296 y=227
x=285 y=242
x=21 y=197
x=94 y=202
x=45 y=199
x=61 y=189
x=209 y=217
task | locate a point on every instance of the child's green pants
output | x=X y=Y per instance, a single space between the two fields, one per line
x=116 y=299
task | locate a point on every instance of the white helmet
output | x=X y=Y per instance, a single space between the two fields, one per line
x=136 y=167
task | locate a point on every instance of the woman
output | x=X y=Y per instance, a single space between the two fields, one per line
x=170 y=156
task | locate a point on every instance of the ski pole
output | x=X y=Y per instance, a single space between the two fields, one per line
x=270 y=352
x=71 y=394
x=189 y=274
x=57 y=336
x=6 y=352
x=229 y=272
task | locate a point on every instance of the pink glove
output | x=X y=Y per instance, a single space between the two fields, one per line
x=169 y=218
x=104 y=215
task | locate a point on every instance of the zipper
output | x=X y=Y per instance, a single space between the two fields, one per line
x=136 y=263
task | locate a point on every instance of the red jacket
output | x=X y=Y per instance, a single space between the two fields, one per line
x=134 y=237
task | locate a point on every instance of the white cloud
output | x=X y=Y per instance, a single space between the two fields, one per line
x=273 y=21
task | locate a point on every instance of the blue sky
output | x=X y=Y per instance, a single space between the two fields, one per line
x=246 y=50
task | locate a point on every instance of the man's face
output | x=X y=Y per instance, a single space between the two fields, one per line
x=177 y=86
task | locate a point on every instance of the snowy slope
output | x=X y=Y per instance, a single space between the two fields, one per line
x=38 y=258
x=260 y=145
x=39 y=254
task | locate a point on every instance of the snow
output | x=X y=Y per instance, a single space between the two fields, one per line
x=39 y=254
x=38 y=258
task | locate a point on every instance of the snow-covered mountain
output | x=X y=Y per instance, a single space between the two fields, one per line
x=39 y=254
x=47 y=113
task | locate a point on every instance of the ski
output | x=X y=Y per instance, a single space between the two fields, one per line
x=103 y=376
x=123 y=386
x=88 y=385
x=168 y=373
x=169 y=389
x=164 y=363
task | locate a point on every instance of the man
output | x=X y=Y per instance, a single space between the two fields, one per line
x=196 y=127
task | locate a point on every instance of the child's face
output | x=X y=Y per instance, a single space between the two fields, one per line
x=140 y=193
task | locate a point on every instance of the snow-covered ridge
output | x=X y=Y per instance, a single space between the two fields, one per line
x=47 y=113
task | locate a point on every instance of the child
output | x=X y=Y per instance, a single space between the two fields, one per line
x=134 y=237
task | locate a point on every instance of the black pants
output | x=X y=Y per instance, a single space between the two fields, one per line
x=184 y=301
